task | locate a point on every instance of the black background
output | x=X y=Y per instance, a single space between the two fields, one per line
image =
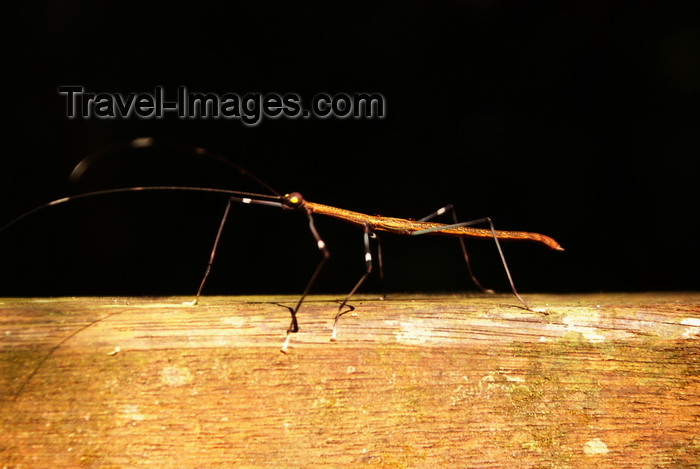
x=577 y=120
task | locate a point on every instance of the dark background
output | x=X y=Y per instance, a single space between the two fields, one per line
x=580 y=122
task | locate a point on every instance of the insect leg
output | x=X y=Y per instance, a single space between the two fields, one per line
x=368 y=270
x=244 y=200
x=213 y=252
x=498 y=246
x=380 y=265
x=442 y=211
x=293 y=326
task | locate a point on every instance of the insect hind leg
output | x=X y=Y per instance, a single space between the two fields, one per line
x=498 y=247
x=442 y=211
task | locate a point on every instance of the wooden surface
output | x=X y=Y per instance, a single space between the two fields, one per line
x=609 y=380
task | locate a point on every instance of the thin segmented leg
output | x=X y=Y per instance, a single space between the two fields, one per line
x=213 y=252
x=368 y=269
x=442 y=211
x=224 y=218
x=294 y=327
x=380 y=265
x=498 y=246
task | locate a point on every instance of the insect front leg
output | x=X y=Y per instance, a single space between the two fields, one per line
x=224 y=218
x=213 y=252
x=442 y=211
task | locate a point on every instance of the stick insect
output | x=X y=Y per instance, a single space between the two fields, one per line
x=369 y=224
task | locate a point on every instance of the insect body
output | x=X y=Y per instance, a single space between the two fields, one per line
x=403 y=226
x=370 y=224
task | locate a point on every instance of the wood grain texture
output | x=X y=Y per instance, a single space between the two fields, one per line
x=609 y=380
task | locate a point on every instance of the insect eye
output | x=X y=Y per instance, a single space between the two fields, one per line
x=294 y=198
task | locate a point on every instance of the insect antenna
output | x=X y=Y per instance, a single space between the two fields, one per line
x=17 y=393
x=100 y=156
x=272 y=200
x=104 y=154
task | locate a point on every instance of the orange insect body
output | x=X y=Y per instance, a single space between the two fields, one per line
x=404 y=226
